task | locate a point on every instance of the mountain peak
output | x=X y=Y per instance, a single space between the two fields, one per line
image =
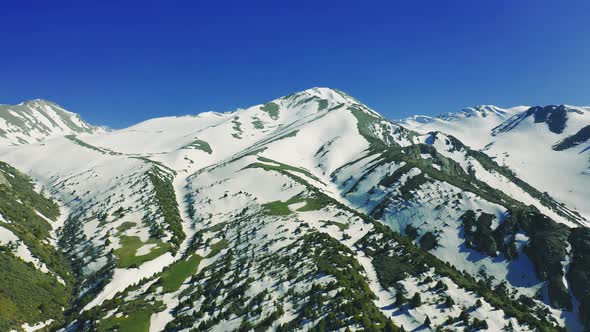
x=36 y=120
x=322 y=93
x=319 y=91
x=38 y=101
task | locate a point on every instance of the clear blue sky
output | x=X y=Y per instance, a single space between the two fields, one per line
x=120 y=64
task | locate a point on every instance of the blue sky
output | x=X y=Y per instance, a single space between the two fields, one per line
x=120 y=64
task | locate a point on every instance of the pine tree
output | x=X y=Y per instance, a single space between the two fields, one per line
x=441 y=285
x=479 y=324
x=509 y=327
x=449 y=302
x=415 y=301
x=464 y=316
x=400 y=299
x=389 y=327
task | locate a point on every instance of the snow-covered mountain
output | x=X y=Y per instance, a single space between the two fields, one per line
x=310 y=211
x=548 y=147
x=472 y=125
x=36 y=120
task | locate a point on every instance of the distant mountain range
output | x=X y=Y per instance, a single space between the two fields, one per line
x=308 y=212
x=545 y=146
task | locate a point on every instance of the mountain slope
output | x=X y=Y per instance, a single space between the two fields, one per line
x=35 y=279
x=287 y=216
x=534 y=142
x=472 y=125
x=36 y=120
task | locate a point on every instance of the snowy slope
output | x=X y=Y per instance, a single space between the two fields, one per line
x=266 y=217
x=36 y=120
x=472 y=125
x=547 y=147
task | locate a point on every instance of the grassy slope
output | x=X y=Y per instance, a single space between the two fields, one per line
x=27 y=294
x=127 y=254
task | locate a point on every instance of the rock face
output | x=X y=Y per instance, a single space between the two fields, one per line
x=288 y=216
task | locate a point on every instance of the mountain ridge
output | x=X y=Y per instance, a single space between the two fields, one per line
x=36 y=120
x=530 y=142
x=310 y=211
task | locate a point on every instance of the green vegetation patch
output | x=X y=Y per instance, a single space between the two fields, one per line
x=135 y=315
x=322 y=104
x=173 y=277
x=216 y=227
x=278 y=137
x=340 y=225
x=45 y=252
x=137 y=321
x=100 y=150
x=125 y=312
x=279 y=208
x=391 y=269
x=272 y=109
x=19 y=201
x=279 y=165
x=166 y=199
x=28 y=295
x=367 y=124
x=237 y=127
x=217 y=247
x=126 y=254
x=23 y=187
x=126 y=226
x=311 y=204
x=198 y=144
x=257 y=123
